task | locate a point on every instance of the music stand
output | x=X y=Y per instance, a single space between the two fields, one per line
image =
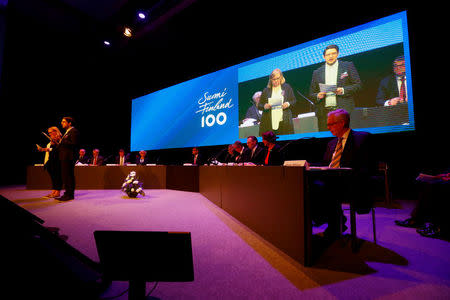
x=141 y=256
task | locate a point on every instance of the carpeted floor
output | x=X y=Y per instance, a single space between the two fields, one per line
x=232 y=262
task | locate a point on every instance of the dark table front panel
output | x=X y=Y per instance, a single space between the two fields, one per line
x=102 y=177
x=269 y=200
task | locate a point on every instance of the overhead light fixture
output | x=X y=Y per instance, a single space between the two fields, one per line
x=106 y=43
x=127 y=32
x=142 y=15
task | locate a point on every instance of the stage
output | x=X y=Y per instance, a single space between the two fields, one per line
x=232 y=262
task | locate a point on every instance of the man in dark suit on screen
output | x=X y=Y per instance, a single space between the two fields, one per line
x=392 y=89
x=67 y=149
x=349 y=149
x=341 y=74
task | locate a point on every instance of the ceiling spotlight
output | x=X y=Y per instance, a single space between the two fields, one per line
x=142 y=15
x=127 y=32
x=106 y=43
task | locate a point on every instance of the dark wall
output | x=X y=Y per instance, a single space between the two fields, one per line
x=48 y=74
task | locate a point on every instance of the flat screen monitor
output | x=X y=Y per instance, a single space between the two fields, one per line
x=370 y=78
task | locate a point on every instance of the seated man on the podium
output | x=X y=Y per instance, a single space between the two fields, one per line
x=349 y=149
x=230 y=157
x=82 y=158
x=96 y=159
x=142 y=159
x=196 y=159
x=392 y=89
x=257 y=153
x=242 y=153
x=122 y=159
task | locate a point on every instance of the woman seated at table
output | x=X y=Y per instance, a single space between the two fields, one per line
x=273 y=156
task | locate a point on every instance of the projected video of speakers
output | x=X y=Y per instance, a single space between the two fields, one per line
x=364 y=70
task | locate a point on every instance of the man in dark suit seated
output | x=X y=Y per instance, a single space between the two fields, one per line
x=142 y=159
x=242 y=153
x=196 y=159
x=82 y=158
x=253 y=112
x=350 y=149
x=96 y=159
x=122 y=159
x=392 y=89
x=273 y=154
x=230 y=157
x=257 y=153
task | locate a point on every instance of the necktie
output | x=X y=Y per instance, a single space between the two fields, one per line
x=335 y=162
x=402 y=88
x=95 y=161
x=266 y=161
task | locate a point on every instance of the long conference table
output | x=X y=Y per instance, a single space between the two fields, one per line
x=272 y=201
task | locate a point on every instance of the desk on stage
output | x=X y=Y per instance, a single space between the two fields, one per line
x=112 y=177
x=272 y=201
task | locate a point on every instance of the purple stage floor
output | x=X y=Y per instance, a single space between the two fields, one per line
x=232 y=262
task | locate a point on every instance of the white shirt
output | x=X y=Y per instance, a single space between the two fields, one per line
x=331 y=73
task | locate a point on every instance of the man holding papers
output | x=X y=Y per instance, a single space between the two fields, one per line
x=276 y=102
x=333 y=85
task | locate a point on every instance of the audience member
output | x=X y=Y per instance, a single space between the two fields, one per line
x=429 y=216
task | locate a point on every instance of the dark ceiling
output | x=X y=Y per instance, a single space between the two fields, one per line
x=182 y=39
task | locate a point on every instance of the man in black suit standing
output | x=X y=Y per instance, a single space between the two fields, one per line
x=67 y=149
x=392 y=89
x=349 y=149
x=334 y=72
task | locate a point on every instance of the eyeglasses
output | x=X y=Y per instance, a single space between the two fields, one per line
x=273 y=79
x=333 y=123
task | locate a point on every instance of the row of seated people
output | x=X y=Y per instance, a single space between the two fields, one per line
x=121 y=159
x=270 y=154
x=254 y=153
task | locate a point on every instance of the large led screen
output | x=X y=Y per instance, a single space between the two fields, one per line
x=365 y=70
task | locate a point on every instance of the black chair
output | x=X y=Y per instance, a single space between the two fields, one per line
x=376 y=181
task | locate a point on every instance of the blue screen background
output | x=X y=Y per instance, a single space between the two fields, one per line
x=173 y=117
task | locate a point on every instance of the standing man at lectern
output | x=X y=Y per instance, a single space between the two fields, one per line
x=67 y=150
x=349 y=149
